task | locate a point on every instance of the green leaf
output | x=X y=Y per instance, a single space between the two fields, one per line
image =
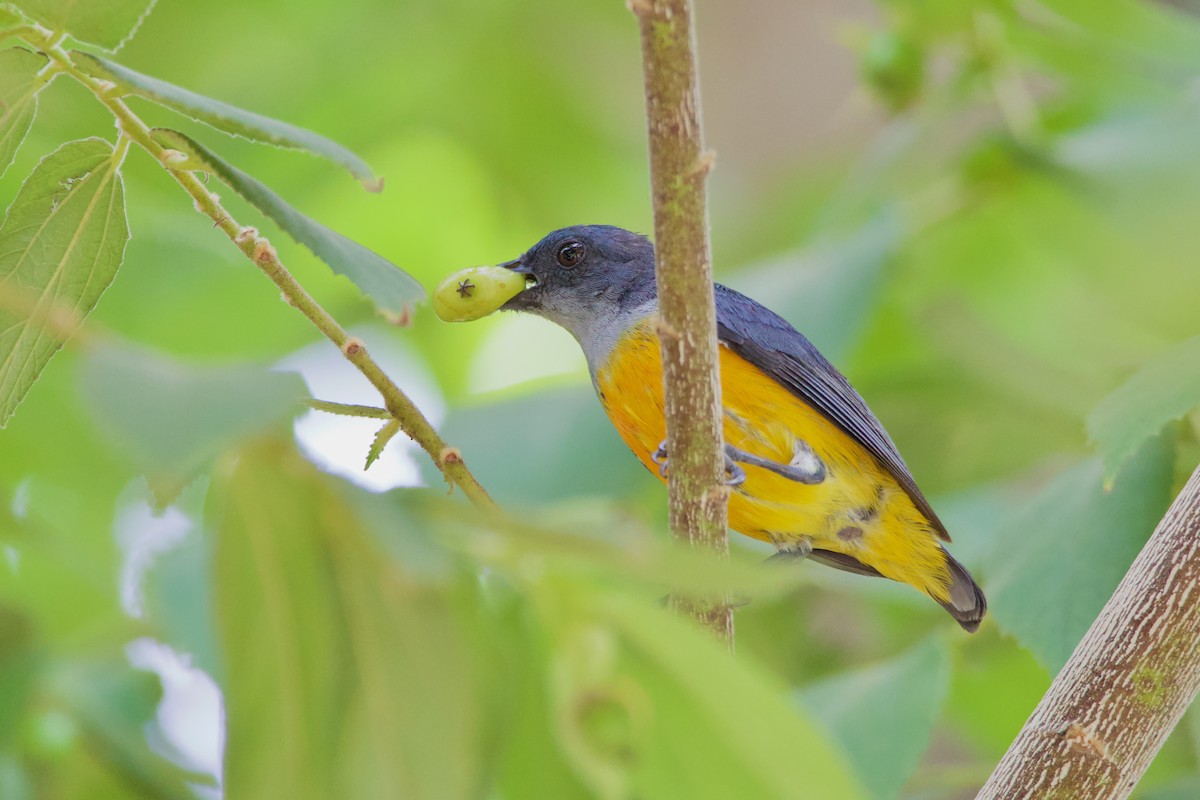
x=278 y=632
x=19 y=87
x=597 y=535
x=171 y=418
x=992 y=693
x=533 y=763
x=345 y=674
x=178 y=588
x=1179 y=789
x=1149 y=30
x=108 y=24
x=112 y=704
x=1161 y=391
x=1059 y=559
x=60 y=246
x=726 y=719
x=392 y=290
x=829 y=290
x=228 y=119
x=15 y=781
x=549 y=471
x=418 y=726
x=883 y=715
x=20 y=662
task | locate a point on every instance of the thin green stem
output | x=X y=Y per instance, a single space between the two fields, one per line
x=21 y=32
x=347 y=409
x=120 y=150
x=259 y=250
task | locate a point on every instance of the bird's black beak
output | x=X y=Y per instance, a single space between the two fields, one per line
x=524 y=300
x=516 y=265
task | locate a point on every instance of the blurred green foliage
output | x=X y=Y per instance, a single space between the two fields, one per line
x=993 y=238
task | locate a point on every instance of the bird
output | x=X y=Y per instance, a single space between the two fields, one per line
x=811 y=469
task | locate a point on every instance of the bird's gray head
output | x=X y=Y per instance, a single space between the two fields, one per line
x=589 y=279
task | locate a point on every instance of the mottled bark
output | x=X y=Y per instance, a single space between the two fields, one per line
x=678 y=167
x=1128 y=682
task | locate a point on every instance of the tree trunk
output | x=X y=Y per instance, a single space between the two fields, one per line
x=1128 y=682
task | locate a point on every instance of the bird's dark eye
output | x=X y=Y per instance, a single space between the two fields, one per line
x=571 y=254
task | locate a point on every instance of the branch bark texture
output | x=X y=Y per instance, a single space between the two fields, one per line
x=1128 y=682
x=687 y=329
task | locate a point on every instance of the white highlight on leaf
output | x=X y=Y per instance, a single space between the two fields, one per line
x=143 y=535
x=20 y=499
x=188 y=727
x=339 y=444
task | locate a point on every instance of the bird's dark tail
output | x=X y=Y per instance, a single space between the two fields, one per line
x=967 y=603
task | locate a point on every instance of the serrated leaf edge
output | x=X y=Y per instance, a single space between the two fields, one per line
x=32 y=97
x=115 y=159
x=351 y=162
x=382 y=437
x=230 y=175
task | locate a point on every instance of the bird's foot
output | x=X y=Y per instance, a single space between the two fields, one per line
x=734 y=475
x=659 y=457
x=806 y=467
x=798 y=551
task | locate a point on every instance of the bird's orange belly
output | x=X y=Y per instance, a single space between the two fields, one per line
x=858 y=509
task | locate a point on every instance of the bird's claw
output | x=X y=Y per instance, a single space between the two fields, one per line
x=659 y=457
x=735 y=475
x=799 y=551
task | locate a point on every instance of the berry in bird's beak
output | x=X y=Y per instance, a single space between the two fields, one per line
x=476 y=292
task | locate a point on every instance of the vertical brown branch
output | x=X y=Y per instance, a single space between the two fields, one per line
x=1128 y=682
x=678 y=168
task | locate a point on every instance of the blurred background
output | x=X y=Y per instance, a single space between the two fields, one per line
x=984 y=212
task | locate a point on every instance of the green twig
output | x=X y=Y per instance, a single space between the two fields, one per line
x=22 y=32
x=679 y=165
x=347 y=409
x=259 y=250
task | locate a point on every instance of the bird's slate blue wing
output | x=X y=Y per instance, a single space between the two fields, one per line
x=766 y=340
